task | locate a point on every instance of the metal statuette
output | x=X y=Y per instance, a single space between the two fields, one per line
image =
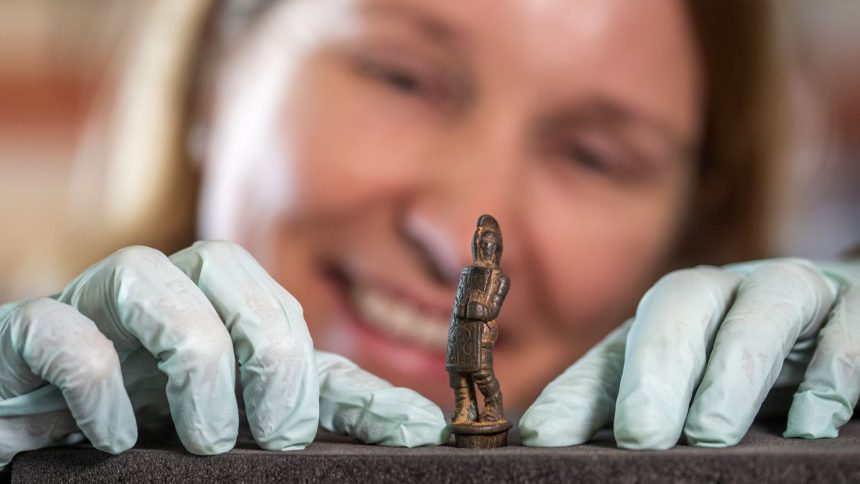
x=471 y=336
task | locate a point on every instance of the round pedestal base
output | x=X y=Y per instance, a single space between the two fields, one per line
x=481 y=435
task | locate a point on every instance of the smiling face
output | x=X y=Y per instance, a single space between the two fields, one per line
x=356 y=142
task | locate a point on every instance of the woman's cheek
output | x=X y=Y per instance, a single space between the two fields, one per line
x=348 y=147
x=603 y=260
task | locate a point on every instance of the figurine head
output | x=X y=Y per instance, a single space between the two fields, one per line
x=487 y=244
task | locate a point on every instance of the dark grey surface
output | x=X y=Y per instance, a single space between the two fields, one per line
x=763 y=456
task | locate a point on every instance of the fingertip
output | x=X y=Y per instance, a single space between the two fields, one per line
x=357 y=403
x=713 y=429
x=414 y=421
x=645 y=422
x=646 y=435
x=419 y=433
x=814 y=416
x=119 y=441
x=392 y=417
x=207 y=425
x=282 y=396
x=433 y=431
x=644 y=431
x=829 y=392
x=199 y=442
x=278 y=447
x=554 y=424
x=293 y=433
x=539 y=434
x=436 y=435
x=711 y=433
x=711 y=443
x=531 y=425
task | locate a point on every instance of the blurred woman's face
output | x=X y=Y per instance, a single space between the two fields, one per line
x=355 y=144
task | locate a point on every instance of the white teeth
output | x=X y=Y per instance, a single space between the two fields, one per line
x=400 y=319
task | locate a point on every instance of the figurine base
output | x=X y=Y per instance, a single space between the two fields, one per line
x=481 y=435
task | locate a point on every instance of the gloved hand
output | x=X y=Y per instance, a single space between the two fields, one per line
x=139 y=335
x=705 y=348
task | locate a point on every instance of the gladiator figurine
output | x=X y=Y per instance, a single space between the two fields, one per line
x=471 y=337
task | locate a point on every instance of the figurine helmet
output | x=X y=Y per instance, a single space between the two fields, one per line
x=487 y=243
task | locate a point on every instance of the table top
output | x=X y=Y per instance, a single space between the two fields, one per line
x=763 y=456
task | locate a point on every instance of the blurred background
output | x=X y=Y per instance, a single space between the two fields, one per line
x=61 y=63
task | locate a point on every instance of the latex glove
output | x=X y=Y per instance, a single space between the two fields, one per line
x=139 y=335
x=705 y=348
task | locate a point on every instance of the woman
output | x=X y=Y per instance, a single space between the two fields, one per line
x=350 y=145
x=380 y=141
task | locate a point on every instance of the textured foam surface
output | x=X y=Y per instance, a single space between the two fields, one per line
x=763 y=456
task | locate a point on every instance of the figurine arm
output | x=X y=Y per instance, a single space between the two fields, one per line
x=491 y=332
x=477 y=310
x=498 y=297
x=461 y=300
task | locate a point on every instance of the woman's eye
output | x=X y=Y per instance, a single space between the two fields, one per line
x=401 y=80
x=396 y=78
x=586 y=157
x=604 y=158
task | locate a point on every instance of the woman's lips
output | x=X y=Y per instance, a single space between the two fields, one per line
x=399 y=318
x=394 y=316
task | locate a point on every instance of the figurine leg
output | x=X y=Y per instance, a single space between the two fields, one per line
x=465 y=403
x=485 y=380
x=473 y=406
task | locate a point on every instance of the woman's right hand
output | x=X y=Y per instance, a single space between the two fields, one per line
x=140 y=337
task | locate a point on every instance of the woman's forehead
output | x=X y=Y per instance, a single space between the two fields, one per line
x=536 y=23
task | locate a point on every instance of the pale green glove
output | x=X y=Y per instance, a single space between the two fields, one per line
x=705 y=349
x=138 y=338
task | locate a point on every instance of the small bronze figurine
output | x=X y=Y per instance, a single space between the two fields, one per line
x=471 y=337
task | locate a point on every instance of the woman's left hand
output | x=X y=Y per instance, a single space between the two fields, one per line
x=706 y=347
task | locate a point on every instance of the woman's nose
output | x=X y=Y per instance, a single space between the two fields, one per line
x=476 y=169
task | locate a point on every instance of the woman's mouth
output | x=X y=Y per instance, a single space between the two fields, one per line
x=393 y=315
x=399 y=318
